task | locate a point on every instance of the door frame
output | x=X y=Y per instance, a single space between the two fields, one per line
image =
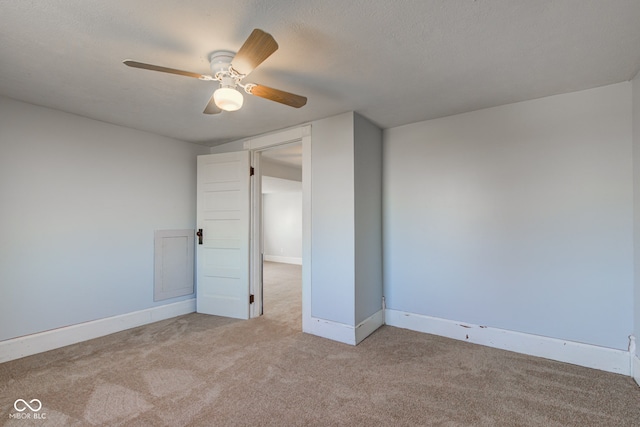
x=257 y=224
x=255 y=146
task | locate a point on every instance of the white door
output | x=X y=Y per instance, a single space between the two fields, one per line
x=223 y=248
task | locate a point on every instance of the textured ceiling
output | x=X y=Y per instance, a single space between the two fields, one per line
x=394 y=62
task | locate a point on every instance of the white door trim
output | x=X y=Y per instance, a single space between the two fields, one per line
x=278 y=138
x=255 y=239
x=256 y=145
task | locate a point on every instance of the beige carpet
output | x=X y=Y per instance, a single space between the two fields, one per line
x=208 y=371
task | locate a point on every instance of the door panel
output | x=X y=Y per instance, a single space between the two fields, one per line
x=223 y=215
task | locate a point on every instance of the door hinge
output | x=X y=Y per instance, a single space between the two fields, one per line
x=200 y=236
x=251 y=299
x=251 y=171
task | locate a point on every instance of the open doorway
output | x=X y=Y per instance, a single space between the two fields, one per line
x=282 y=229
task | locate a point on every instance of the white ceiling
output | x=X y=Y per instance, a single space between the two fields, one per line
x=394 y=62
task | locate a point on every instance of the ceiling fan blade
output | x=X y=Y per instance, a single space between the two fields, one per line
x=280 y=96
x=258 y=47
x=211 y=107
x=136 y=64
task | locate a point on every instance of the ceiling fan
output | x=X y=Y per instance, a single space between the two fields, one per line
x=230 y=69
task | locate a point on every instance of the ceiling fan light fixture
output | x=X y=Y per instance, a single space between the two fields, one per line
x=226 y=97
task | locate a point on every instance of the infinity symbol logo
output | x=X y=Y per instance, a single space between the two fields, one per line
x=26 y=405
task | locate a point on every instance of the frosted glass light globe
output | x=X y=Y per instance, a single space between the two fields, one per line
x=228 y=99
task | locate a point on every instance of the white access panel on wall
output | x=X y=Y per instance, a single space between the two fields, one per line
x=223 y=218
x=173 y=264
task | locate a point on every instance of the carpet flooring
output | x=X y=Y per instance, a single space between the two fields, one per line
x=199 y=370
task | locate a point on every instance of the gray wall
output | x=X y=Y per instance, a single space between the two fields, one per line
x=636 y=192
x=368 y=218
x=80 y=202
x=282 y=225
x=332 y=219
x=517 y=217
x=281 y=211
x=346 y=219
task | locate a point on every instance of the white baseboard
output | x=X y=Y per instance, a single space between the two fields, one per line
x=636 y=369
x=342 y=332
x=44 y=341
x=369 y=325
x=283 y=259
x=332 y=330
x=591 y=356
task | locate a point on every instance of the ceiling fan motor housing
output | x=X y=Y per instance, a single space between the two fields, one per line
x=221 y=61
